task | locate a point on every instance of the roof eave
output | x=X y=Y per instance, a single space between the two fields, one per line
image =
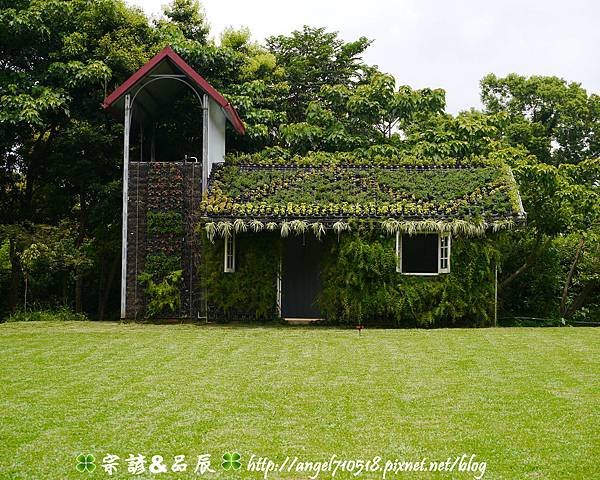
x=169 y=53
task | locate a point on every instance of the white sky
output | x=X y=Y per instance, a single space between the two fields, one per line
x=450 y=44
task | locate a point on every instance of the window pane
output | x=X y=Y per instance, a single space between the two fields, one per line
x=420 y=253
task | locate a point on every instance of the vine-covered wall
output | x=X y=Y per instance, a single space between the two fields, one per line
x=162 y=254
x=361 y=285
x=251 y=291
x=360 y=282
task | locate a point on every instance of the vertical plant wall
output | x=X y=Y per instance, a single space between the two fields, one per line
x=161 y=251
x=361 y=285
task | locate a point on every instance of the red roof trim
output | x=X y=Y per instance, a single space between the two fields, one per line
x=168 y=52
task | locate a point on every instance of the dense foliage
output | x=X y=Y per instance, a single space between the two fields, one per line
x=362 y=285
x=250 y=292
x=342 y=192
x=360 y=282
x=309 y=91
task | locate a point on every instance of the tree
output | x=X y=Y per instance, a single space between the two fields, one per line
x=361 y=115
x=559 y=125
x=188 y=16
x=312 y=58
x=59 y=59
x=557 y=121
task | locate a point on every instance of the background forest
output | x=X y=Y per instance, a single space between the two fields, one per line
x=61 y=154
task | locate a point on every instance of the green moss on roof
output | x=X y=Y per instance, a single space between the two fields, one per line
x=333 y=192
x=379 y=155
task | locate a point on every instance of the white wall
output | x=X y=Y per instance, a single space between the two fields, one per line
x=216 y=134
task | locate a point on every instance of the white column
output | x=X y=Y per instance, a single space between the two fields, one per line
x=125 y=200
x=205 y=146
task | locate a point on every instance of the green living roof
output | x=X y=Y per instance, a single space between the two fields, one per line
x=407 y=198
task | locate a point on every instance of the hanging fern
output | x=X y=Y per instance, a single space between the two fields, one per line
x=239 y=225
x=256 y=225
x=225 y=229
x=211 y=231
x=318 y=229
x=298 y=226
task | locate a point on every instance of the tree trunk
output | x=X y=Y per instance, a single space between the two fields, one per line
x=36 y=155
x=78 y=292
x=104 y=293
x=563 y=300
x=101 y=286
x=528 y=263
x=581 y=299
x=15 y=276
x=65 y=288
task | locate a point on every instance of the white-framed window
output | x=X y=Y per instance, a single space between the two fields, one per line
x=444 y=252
x=229 y=254
x=423 y=254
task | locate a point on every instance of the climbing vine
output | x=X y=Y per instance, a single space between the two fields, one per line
x=251 y=291
x=361 y=285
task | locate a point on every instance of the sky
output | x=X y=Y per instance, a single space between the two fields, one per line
x=449 y=44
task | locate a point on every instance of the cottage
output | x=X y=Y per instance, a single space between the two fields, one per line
x=273 y=227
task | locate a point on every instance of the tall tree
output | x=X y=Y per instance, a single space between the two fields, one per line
x=312 y=58
x=556 y=120
x=559 y=125
x=59 y=59
x=189 y=17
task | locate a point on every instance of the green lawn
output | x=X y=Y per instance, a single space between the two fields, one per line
x=525 y=401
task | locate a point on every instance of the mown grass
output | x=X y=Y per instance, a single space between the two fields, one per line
x=523 y=400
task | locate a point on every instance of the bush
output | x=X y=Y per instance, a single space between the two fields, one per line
x=59 y=315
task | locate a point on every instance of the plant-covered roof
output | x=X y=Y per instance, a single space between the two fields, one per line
x=454 y=197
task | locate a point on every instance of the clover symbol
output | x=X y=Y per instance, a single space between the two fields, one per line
x=85 y=463
x=231 y=461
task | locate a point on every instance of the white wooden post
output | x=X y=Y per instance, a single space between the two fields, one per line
x=205 y=146
x=125 y=200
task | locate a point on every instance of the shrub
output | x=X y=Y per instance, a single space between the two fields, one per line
x=58 y=315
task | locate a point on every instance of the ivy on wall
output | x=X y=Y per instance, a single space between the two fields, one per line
x=361 y=285
x=360 y=282
x=250 y=291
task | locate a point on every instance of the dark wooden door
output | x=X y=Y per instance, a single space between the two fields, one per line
x=300 y=277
